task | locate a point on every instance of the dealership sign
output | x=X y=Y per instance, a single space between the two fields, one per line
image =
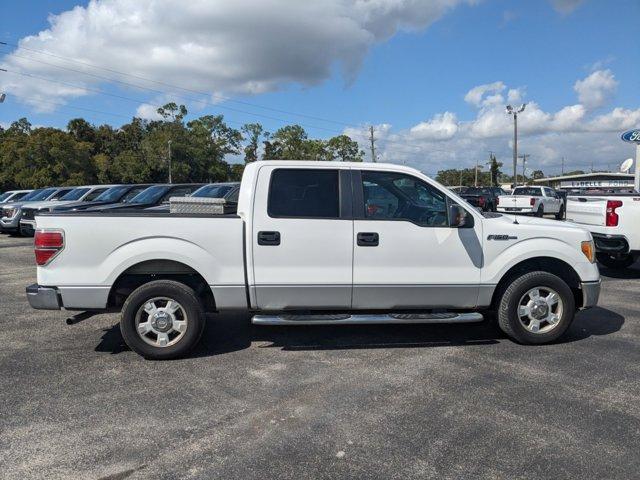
x=631 y=136
x=597 y=183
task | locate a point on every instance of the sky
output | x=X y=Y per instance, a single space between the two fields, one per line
x=432 y=76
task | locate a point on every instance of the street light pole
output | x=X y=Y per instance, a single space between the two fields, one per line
x=514 y=112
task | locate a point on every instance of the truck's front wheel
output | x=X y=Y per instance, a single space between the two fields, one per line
x=536 y=308
x=162 y=320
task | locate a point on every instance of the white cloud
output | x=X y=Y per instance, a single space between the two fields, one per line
x=440 y=127
x=573 y=132
x=476 y=95
x=566 y=6
x=148 y=112
x=241 y=46
x=595 y=90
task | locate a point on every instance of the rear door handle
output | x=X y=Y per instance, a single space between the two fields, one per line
x=269 y=238
x=368 y=239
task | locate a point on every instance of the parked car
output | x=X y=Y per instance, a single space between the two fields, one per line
x=227 y=190
x=532 y=200
x=150 y=197
x=614 y=222
x=13 y=196
x=77 y=194
x=484 y=198
x=12 y=214
x=309 y=246
x=116 y=194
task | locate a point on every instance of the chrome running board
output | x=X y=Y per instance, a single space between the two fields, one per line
x=348 y=319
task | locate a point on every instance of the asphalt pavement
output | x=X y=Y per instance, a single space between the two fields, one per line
x=393 y=402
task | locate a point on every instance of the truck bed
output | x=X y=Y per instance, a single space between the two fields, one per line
x=99 y=247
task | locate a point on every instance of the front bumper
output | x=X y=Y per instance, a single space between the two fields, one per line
x=43 y=298
x=590 y=293
x=27 y=227
x=611 y=243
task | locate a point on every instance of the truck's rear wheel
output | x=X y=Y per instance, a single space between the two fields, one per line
x=162 y=320
x=560 y=214
x=536 y=308
x=616 y=261
x=540 y=211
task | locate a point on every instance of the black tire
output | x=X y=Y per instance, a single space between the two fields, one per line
x=540 y=211
x=170 y=289
x=560 y=214
x=616 y=261
x=508 y=318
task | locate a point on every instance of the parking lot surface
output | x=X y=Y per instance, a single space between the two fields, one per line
x=318 y=402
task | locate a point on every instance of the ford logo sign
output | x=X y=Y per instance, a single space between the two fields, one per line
x=632 y=136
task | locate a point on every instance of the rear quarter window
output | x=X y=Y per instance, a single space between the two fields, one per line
x=304 y=193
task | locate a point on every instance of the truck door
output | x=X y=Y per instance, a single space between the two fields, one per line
x=302 y=238
x=406 y=254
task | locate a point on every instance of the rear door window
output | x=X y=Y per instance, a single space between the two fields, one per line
x=304 y=193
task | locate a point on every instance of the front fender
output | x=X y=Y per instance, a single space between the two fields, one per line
x=502 y=261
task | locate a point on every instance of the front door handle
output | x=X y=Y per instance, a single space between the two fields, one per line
x=269 y=238
x=368 y=239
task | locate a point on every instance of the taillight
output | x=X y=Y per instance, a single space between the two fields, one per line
x=532 y=201
x=497 y=200
x=612 y=217
x=47 y=244
x=481 y=201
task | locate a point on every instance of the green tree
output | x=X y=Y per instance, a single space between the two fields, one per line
x=537 y=174
x=494 y=170
x=253 y=133
x=344 y=149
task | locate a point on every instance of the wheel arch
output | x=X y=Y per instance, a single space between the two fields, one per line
x=147 y=271
x=553 y=265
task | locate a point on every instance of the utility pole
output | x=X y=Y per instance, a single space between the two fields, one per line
x=169 y=144
x=562 y=166
x=514 y=112
x=490 y=163
x=373 y=146
x=461 y=177
x=524 y=168
x=476 y=181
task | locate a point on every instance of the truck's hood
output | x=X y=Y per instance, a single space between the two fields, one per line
x=533 y=226
x=46 y=204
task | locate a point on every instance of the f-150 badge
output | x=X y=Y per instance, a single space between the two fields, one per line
x=501 y=237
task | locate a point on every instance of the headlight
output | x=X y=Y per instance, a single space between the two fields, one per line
x=8 y=212
x=589 y=250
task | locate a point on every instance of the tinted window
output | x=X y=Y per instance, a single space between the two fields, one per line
x=532 y=192
x=395 y=196
x=94 y=194
x=304 y=193
x=112 y=194
x=75 y=194
x=132 y=193
x=62 y=193
x=18 y=196
x=213 y=191
x=178 y=192
x=150 y=195
x=41 y=194
x=4 y=196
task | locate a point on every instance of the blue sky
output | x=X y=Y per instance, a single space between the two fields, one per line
x=397 y=81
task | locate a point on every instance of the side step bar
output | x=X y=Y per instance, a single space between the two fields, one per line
x=348 y=319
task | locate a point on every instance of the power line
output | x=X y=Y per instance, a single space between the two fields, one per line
x=205 y=102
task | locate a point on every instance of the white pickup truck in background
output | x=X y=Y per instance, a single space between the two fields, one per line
x=614 y=222
x=317 y=243
x=532 y=200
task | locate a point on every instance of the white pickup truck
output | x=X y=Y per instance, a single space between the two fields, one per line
x=317 y=243
x=614 y=222
x=532 y=200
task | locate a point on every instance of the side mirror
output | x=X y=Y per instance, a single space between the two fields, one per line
x=459 y=217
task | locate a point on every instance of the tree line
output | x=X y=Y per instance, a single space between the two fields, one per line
x=139 y=151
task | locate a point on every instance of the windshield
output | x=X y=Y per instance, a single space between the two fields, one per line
x=213 y=191
x=4 y=196
x=532 y=192
x=150 y=195
x=75 y=194
x=476 y=191
x=30 y=195
x=43 y=195
x=112 y=194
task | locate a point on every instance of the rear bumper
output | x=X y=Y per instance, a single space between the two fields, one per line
x=610 y=243
x=590 y=293
x=514 y=209
x=43 y=298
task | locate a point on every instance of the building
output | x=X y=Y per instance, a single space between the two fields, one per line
x=585 y=181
